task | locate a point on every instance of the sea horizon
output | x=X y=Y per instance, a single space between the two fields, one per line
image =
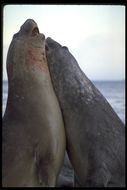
x=112 y=90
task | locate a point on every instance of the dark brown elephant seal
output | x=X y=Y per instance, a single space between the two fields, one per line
x=95 y=134
x=33 y=133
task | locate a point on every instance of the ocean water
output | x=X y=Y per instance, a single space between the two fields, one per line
x=114 y=92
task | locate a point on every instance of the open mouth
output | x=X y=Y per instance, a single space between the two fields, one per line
x=35 y=31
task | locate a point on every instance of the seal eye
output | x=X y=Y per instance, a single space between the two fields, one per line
x=35 y=31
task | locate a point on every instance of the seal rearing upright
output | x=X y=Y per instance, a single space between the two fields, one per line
x=95 y=134
x=33 y=132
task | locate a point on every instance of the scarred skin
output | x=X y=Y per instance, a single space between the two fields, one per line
x=95 y=134
x=33 y=139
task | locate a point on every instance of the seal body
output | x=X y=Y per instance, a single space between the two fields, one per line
x=95 y=134
x=33 y=146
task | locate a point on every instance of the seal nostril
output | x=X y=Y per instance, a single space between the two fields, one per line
x=35 y=31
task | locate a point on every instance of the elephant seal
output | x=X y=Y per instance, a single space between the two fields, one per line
x=95 y=134
x=33 y=142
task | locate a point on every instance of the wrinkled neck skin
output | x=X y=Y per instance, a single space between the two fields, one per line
x=27 y=69
x=64 y=69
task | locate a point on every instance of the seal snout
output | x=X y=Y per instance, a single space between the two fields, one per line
x=49 y=41
x=29 y=28
x=35 y=31
x=52 y=43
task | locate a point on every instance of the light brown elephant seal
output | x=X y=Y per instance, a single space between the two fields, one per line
x=95 y=134
x=33 y=143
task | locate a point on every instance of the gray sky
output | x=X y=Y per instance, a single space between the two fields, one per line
x=95 y=35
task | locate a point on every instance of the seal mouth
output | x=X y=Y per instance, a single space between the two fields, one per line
x=35 y=32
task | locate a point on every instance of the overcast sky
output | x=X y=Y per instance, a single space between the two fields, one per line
x=95 y=35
